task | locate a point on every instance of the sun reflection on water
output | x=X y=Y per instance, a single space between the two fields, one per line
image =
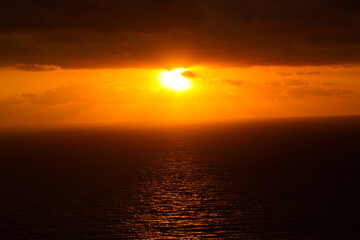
x=175 y=199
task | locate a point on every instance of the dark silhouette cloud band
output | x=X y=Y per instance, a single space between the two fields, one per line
x=178 y=33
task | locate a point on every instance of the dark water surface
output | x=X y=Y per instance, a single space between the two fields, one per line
x=271 y=179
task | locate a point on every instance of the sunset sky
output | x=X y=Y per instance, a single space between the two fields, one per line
x=93 y=61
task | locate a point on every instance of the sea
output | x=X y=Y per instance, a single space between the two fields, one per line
x=286 y=178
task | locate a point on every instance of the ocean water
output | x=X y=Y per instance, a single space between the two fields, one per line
x=260 y=179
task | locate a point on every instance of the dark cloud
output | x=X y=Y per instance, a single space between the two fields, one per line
x=34 y=67
x=301 y=73
x=166 y=33
x=317 y=91
x=233 y=82
x=284 y=74
x=273 y=83
x=62 y=95
x=188 y=74
x=55 y=105
x=294 y=82
x=327 y=84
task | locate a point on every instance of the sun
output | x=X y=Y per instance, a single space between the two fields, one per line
x=174 y=80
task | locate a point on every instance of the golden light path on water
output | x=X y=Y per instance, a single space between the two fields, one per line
x=177 y=198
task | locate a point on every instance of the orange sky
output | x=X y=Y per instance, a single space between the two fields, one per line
x=105 y=95
x=83 y=61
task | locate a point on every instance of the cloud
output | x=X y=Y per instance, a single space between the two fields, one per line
x=317 y=91
x=287 y=82
x=284 y=74
x=34 y=67
x=68 y=103
x=298 y=88
x=188 y=74
x=301 y=73
x=294 y=82
x=327 y=84
x=233 y=82
x=273 y=83
x=55 y=105
x=62 y=95
x=177 y=33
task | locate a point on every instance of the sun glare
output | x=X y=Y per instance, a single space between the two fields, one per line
x=174 y=80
